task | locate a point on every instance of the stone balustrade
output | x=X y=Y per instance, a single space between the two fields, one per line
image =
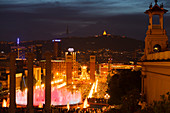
x=159 y=56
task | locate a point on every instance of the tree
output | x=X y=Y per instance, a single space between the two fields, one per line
x=123 y=82
x=129 y=102
x=162 y=106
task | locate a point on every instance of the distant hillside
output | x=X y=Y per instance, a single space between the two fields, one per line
x=112 y=42
x=115 y=43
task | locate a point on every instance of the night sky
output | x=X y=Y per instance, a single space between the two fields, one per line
x=48 y=19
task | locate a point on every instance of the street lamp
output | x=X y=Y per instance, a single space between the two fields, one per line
x=107 y=97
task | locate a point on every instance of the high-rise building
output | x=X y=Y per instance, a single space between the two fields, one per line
x=56 y=49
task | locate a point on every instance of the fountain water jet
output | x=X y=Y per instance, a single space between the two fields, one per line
x=59 y=96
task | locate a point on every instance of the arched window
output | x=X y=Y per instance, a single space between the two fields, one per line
x=157 y=48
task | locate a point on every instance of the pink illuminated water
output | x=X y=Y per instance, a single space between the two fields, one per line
x=59 y=96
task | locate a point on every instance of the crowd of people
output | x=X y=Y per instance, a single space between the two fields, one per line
x=56 y=110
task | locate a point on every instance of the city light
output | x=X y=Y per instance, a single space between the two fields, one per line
x=56 y=40
x=96 y=86
x=68 y=106
x=4 y=103
x=91 y=91
x=85 y=104
x=104 y=33
x=17 y=41
x=70 y=49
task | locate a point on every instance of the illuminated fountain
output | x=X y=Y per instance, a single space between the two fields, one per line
x=59 y=96
x=85 y=104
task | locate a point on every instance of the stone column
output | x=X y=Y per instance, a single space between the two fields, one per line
x=48 y=83
x=69 y=65
x=161 y=20
x=150 y=21
x=12 y=90
x=30 y=108
x=92 y=68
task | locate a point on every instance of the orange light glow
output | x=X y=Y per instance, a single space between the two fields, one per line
x=4 y=103
x=85 y=104
x=104 y=33
x=40 y=105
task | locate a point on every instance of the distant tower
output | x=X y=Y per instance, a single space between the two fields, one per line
x=92 y=67
x=38 y=52
x=57 y=48
x=20 y=50
x=156 y=39
x=69 y=64
x=74 y=62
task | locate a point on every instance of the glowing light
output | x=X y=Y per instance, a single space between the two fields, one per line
x=42 y=85
x=61 y=85
x=40 y=105
x=68 y=106
x=107 y=96
x=96 y=86
x=37 y=87
x=156 y=48
x=52 y=82
x=59 y=96
x=74 y=86
x=58 y=81
x=91 y=91
x=84 y=67
x=17 y=41
x=56 y=40
x=70 y=49
x=104 y=33
x=7 y=103
x=85 y=104
x=4 y=103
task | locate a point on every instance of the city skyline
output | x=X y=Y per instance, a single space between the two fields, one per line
x=48 y=19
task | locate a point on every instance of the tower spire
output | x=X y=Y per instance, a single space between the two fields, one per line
x=156 y=2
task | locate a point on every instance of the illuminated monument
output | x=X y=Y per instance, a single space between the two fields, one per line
x=156 y=39
x=69 y=64
x=155 y=64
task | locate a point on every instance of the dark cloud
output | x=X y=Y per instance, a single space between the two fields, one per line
x=48 y=20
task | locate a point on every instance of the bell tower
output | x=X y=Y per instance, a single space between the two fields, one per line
x=156 y=39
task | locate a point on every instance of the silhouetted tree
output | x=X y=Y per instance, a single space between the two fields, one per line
x=121 y=83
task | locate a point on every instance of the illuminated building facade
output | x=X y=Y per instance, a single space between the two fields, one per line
x=155 y=65
x=104 y=68
x=58 y=68
x=84 y=74
x=156 y=39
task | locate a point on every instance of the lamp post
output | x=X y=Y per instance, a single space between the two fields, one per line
x=107 y=97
